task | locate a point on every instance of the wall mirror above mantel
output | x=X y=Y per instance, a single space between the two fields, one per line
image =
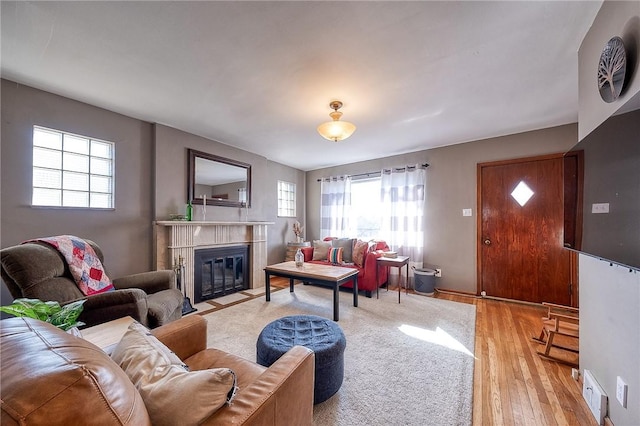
x=224 y=182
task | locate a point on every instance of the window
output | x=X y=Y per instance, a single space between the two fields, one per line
x=286 y=199
x=522 y=193
x=71 y=170
x=366 y=219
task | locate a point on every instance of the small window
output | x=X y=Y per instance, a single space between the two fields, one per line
x=286 y=199
x=522 y=193
x=71 y=170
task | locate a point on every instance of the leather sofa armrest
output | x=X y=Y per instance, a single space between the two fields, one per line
x=185 y=337
x=149 y=282
x=108 y=306
x=283 y=394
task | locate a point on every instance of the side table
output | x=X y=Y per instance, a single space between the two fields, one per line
x=107 y=335
x=397 y=262
x=293 y=247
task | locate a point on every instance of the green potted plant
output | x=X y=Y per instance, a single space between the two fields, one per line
x=64 y=317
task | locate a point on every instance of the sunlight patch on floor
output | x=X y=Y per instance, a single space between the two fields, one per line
x=438 y=337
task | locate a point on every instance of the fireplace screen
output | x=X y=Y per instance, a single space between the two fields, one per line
x=220 y=271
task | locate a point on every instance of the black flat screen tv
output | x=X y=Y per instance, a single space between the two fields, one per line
x=602 y=191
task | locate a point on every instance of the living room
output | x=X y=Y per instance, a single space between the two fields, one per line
x=151 y=181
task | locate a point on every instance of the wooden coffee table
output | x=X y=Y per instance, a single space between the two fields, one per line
x=107 y=335
x=332 y=276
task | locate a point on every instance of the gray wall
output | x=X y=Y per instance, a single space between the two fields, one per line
x=615 y=18
x=171 y=185
x=609 y=332
x=151 y=180
x=123 y=233
x=450 y=238
x=610 y=295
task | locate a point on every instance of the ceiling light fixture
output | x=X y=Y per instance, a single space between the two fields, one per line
x=336 y=130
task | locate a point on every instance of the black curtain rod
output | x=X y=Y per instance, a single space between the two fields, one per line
x=424 y=165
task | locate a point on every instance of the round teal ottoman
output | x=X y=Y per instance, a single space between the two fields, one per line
x=324 y=337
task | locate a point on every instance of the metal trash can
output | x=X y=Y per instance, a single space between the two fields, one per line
x=425 y=280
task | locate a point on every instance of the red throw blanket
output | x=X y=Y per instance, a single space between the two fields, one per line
x=84 y=264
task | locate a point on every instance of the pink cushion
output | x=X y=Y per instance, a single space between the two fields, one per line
x=380 y=245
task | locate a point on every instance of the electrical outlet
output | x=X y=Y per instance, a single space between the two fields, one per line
x=575 y=374
x=438 y=272
x=621 y=392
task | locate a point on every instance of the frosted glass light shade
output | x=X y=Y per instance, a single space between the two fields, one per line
x=336 y=130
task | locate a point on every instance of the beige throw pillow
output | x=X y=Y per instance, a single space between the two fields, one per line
x=321 y=249
x=360 y=249
x=172 y=394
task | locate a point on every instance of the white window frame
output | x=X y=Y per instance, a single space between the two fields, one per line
x=93 y=190
x=286 y=199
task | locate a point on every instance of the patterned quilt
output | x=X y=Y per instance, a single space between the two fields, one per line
x=84 y=264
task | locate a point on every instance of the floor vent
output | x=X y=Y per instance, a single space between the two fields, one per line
x=595 y=397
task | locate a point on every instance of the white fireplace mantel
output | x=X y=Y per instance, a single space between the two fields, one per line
x=178 y=238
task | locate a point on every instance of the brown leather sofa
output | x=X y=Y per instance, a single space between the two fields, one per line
x=38 y=271
x=49 y=377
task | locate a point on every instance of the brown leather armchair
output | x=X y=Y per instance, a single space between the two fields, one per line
x=38 y=271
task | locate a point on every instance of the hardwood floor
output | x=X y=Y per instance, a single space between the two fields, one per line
x=512 y=384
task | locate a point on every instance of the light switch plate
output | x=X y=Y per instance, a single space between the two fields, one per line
x=467 y=212
x=600 y=208
x=621 y=392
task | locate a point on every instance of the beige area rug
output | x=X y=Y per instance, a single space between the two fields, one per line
x=405 y=364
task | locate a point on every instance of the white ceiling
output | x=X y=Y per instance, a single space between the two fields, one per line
x=260 y=75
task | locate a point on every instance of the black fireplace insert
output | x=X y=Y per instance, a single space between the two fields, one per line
x=220 y=271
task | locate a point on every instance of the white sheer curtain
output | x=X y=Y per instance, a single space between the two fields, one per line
x=335 y=203
x=403 y=200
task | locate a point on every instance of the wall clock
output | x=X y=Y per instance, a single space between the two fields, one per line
x=611 y=70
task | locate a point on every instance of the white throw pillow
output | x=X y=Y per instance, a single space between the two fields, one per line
x=172 y=394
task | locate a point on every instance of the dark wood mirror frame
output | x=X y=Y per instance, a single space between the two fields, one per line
x=191 y=186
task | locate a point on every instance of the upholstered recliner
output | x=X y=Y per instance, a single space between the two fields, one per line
x=38 y=271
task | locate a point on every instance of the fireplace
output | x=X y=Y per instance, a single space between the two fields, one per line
x=175 y=239
x=220 y=271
